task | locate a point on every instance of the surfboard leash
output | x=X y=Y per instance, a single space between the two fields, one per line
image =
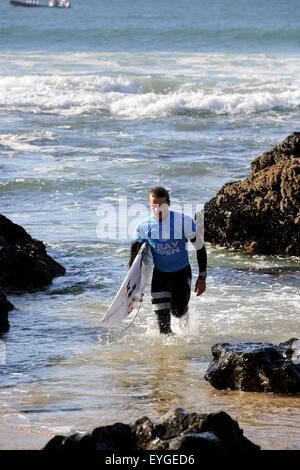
x=126 y=328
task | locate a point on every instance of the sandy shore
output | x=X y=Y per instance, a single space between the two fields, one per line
x=21 y=439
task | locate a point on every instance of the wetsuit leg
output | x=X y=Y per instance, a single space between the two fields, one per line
x=181 y=291
x=161 y=296
x=164 y=321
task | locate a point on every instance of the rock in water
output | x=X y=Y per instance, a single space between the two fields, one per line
x=5 y=307
x=256 y=367
x=178 y=430
x=24 y=262
x=262 y=213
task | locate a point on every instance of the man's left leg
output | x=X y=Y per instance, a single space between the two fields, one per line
x=161 y=295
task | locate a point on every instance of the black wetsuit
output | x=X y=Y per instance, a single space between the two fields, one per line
x=170 y=291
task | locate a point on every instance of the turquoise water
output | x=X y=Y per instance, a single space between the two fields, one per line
x=136 y=26
x=99 y=103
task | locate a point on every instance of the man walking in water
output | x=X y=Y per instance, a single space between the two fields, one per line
x=167 y=233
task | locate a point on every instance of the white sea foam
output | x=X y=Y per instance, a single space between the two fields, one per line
x=160 y=64
x=59 y=92
x=124 y=97
x=61 y=429
x=152 y=105
x=30 y=142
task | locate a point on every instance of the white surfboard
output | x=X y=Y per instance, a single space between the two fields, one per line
x=132 y=288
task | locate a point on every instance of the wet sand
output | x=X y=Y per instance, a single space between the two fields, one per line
x=21 y=439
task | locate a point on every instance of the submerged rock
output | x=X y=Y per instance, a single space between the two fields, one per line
x=178 y=430
x=262 y=213
x=256 y=367
x=5 y=307
x=24 y=262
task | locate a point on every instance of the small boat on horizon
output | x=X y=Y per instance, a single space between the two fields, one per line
x=33 y=3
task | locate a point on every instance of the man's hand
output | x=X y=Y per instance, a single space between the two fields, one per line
x=200 y=286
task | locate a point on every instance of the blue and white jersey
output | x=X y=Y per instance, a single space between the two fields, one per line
x=167 y=239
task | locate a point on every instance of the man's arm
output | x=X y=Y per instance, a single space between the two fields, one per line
x=202 y=262
x=135 y=247
x=200 y=285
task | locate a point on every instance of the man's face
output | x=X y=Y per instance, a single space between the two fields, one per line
x=159 y=207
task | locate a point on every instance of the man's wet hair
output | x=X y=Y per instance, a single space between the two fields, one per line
x=159 y=191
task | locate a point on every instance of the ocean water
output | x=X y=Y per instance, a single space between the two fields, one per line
x=98 y=104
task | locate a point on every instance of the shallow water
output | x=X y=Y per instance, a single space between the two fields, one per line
x=98 y=105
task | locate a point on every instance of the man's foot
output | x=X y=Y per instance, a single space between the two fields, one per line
x=184 y=321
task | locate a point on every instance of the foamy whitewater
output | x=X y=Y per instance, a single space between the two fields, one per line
x=98 y=104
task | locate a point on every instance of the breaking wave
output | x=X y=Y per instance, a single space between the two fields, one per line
x=131 y=99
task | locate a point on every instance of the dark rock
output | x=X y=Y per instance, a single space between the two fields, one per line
x=117 y=437
x=74 y=442
x=177 y=431
x=288 y=149
x=262 y=213
x=255 y=367
x=24 y=262
x=5 y=307
x=193 y=443
x=213 y=430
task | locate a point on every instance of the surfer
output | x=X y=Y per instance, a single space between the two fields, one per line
x=167 y=233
